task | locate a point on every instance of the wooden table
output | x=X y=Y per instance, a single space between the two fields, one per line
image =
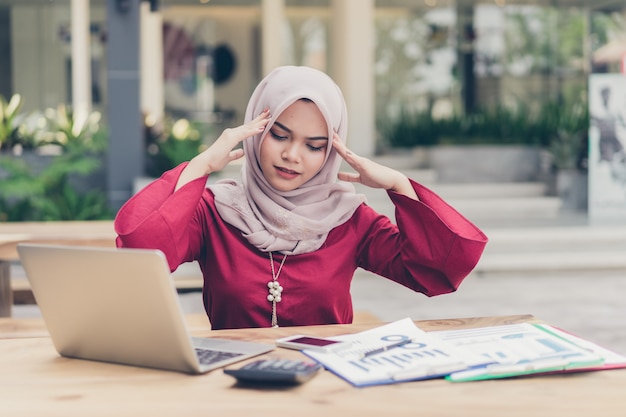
x=74 y=233
x=35 y=380
x=84 y=233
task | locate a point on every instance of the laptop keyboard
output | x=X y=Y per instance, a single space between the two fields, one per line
x=208 y=357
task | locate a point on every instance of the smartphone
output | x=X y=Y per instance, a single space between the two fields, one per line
x=300 y=342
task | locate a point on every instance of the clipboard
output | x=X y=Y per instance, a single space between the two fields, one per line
x=612 y=360
x=523 y=349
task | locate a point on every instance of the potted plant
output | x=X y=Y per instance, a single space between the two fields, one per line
x=568 y=150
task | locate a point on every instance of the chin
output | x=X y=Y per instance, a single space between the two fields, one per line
x=284 y=186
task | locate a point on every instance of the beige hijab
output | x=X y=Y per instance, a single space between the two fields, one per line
x=296 y=221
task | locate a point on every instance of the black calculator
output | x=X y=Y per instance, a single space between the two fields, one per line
x=276 y=371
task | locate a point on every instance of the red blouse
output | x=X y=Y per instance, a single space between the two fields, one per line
x=431 y=250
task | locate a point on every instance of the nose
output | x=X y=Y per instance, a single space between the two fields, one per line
x=291 y=152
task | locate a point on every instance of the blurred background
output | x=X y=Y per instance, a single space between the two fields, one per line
x=498 y=105
x=143 y=85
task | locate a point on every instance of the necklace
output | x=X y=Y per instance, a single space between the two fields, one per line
x=275 y=289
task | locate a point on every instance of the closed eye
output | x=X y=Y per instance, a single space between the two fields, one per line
x=316 y=148
x=277 y=136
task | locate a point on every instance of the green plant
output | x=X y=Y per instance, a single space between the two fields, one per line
x=32 y=130
x=408 y=130
x=28 y=193
x=566 y=149
x=15 y=211
x=74 y=131
x=520 y=126
x=169 y=145
x=568 y=145
x=8 y=126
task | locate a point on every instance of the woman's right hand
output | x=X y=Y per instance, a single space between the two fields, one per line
x=222 y=151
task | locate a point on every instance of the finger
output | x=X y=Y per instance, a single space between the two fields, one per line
x=264 y=115
x=260 y=122
x=339 y=146
x=349 y=177
x=349 y=156
x=254 y=127
x=235 y=154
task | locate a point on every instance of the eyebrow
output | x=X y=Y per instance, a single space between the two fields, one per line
x=285 y=128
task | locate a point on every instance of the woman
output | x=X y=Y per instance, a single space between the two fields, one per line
x=281 y=247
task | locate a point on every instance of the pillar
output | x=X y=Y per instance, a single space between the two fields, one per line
x=152 y=94
x=81 y=58
x=126 y=149
x=353 y=69
x=272 y=25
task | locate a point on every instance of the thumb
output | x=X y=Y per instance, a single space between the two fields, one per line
x=349 y=176
x=235 y=154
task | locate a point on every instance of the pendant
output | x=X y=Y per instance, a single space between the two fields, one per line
x=275 y=291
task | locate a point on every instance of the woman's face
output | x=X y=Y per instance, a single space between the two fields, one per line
x=294 y=149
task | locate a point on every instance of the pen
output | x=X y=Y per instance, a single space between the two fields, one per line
x=505 y=370
x=425 y=371
x=386 y=348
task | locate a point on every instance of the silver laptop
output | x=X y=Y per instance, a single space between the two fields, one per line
x=121 y=306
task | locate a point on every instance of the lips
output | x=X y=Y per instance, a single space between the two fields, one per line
x=286 y=173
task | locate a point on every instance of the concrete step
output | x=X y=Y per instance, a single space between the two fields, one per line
x=478 y=201
x=485 y=204
x=404 y=160
x=570 y=238
x=548 y=261
x=558 y=248
x=511 y=208
x=528 y=231
x=491 y=190
x=427 y=177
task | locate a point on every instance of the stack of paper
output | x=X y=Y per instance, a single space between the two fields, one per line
x=400 y=351
x=519 y=349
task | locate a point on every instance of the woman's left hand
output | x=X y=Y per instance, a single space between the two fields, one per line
x=372 y=174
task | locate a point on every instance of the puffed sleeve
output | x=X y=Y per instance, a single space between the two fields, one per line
x=159 y=218
x=431 y=248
